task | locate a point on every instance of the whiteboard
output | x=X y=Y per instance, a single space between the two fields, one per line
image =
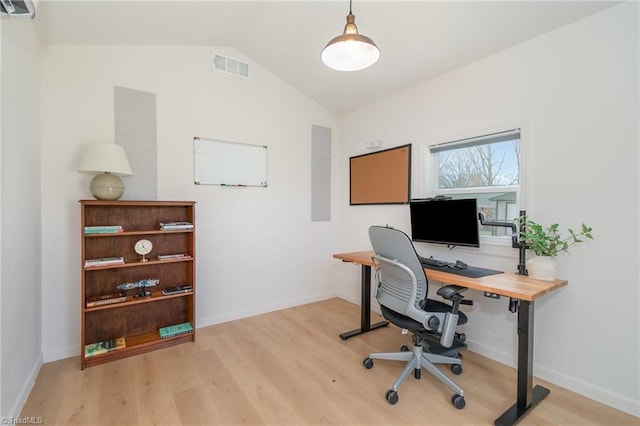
x=229 y=163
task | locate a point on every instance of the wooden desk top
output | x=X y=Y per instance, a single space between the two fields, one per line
x=506 y=284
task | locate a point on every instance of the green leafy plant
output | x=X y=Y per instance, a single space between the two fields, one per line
x=550 y=241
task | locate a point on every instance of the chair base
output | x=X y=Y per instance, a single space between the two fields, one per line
x=417 y=359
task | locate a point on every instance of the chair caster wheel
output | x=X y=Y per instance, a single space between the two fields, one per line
x=392 y=397
x=458 y=401
x=404 y=348
x=368 y=363
x=456 y=369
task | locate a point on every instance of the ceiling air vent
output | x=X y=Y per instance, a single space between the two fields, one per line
x=18 y=8
x=230 y=66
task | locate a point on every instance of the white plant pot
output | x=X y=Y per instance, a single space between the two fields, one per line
x=542 y=267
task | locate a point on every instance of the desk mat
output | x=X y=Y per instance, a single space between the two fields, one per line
x=471 y=271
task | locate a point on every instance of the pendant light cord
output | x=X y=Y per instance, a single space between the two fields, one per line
x=350 y=13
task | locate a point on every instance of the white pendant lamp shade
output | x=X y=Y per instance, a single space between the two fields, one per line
x=107 y=161
x=350 y=51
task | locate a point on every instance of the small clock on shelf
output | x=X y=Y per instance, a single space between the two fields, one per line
x=143 y=247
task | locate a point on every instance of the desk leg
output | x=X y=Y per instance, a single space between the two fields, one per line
x=528 y=396
x=365 y=307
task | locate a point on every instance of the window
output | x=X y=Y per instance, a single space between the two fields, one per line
x=486 y=168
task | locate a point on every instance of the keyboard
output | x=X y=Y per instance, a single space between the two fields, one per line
x=432 y=262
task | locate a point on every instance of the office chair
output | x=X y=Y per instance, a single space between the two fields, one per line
x=402 y=295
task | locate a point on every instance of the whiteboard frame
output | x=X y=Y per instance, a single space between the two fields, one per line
x=226 y=163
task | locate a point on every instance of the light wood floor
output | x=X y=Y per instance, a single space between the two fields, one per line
x=289 y=368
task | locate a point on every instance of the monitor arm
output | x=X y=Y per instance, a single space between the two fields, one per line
x=521 y=245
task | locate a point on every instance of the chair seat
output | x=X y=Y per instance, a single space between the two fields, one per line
x=438 y=306
x=403 y=321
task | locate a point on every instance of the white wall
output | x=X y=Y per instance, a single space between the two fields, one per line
x=574 y=89
x=257 y=249
x=575 y=92
x=20 y=276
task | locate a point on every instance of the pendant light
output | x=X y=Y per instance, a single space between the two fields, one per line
x=350 y=51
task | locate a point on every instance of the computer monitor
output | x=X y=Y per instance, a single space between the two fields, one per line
x=445 y=221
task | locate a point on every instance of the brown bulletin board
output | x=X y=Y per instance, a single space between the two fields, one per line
x=382 y=177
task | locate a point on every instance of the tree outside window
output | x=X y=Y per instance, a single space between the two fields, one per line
x=486 y=168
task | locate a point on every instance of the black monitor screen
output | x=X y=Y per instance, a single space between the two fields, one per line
x=451 y=222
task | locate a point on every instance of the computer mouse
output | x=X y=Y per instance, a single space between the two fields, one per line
x=461 y=265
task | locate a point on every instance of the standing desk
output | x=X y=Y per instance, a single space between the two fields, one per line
x=519 y=287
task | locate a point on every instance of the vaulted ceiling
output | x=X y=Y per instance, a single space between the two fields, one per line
x=418 y=39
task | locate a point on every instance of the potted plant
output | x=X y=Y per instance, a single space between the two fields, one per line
x=546 y=243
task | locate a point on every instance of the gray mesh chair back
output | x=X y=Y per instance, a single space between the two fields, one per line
x=395 y=289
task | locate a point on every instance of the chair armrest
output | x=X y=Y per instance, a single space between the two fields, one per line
x=448 y=291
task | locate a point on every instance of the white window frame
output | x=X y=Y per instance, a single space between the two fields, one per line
x=430 y=179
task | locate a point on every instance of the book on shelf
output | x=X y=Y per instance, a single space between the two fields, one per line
x=176 y=330
x=103 y=229
x=172 y=256
x=106 y=299
x=104 y=261
x=100 y=348
x=171 y=226
x=177 y=289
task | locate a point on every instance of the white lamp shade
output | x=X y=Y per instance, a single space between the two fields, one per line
x=101 y=157
x=350 y=52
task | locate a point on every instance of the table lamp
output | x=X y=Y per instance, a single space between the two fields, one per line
x=108 y=162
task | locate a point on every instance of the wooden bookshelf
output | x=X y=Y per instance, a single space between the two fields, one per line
x=138 y=319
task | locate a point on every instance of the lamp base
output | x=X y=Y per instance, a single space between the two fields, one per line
x=107 y=187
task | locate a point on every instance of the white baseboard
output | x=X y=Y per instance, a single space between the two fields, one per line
x=605 y=396
x=499 y=356
x=61 y=354
x=612 y=399
x=23 y=395
x=219 y=319
x=356 y=301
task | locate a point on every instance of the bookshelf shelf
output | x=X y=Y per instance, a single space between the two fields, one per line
x=136 y=345
x=133 y=263
x=131 y=300
x=150 y=232
x=137 y=319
